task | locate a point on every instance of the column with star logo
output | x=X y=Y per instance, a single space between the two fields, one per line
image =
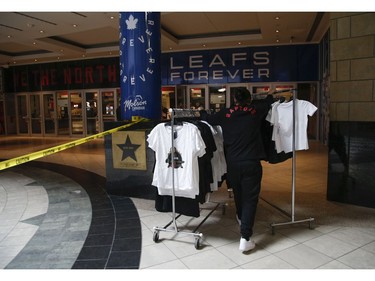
x=140 y=72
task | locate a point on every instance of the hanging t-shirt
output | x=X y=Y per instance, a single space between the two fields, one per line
x=282 y=120
x=273 y=157
x=188 y=145
x=219 y=165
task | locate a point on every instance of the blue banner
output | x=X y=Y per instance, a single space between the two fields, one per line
x=242 y=65
x=140 y=80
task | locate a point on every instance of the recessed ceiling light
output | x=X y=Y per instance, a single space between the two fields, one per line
x=277 y=31
x=41 y=31
x=75 y=25
x=277 y=18
x=9 y=36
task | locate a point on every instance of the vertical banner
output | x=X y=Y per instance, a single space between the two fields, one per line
x=140 y=74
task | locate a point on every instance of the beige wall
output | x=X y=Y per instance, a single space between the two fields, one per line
x=352 y=68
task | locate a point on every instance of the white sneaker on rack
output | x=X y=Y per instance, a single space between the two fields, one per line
x=246 y=245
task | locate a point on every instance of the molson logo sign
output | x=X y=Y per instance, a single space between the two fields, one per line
x=135 y=103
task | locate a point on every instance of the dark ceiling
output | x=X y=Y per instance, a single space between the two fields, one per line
x=34 y=37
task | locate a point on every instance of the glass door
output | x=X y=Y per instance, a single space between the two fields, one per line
x=197 y=97
x=62 y=111
x=168 y=100
x=92 y=124
x=217 y=97
x=23 y=114
x=2 y=118
x=76 y=120
x=36 y=117
x=108 y=106
x=118 y=104
x=181 y=97
x=49 y=114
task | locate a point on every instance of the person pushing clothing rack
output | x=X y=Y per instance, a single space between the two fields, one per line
x=241 y=126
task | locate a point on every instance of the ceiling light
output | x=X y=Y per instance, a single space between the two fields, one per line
x=75 y=25
x=221 y=90
x=277 y=31
x=277 y=18
x=41 y=31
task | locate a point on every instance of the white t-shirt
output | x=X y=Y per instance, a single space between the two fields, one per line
x=189 y=145
x=282 y=120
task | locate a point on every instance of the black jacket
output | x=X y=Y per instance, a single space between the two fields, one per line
x=241 y=127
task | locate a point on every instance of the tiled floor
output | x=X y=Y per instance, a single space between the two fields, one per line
x=54 y=213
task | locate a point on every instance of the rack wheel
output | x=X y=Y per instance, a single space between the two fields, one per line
x=311 y=226
x=155 y=237
x=197 y=243
x=223 y=210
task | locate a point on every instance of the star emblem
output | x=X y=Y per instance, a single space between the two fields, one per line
x=128 y=149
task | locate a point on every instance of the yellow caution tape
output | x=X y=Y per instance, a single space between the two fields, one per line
x=45 y=152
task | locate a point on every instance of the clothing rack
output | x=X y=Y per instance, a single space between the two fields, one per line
x=292 y=214
x=181 y=113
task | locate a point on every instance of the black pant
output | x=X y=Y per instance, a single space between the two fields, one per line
x=245 y=179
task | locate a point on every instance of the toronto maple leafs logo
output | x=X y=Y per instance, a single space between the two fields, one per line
x=177 y=159
x=131 y=23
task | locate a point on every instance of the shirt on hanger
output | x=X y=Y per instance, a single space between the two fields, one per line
x=188 y=145
x=281 y=117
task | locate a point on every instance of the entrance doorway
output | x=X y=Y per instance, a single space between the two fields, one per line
x=29 y=119
x=92 y=124
x=49 y=114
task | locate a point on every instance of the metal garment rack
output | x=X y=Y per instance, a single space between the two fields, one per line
x=181 y=113
x=292 y=214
